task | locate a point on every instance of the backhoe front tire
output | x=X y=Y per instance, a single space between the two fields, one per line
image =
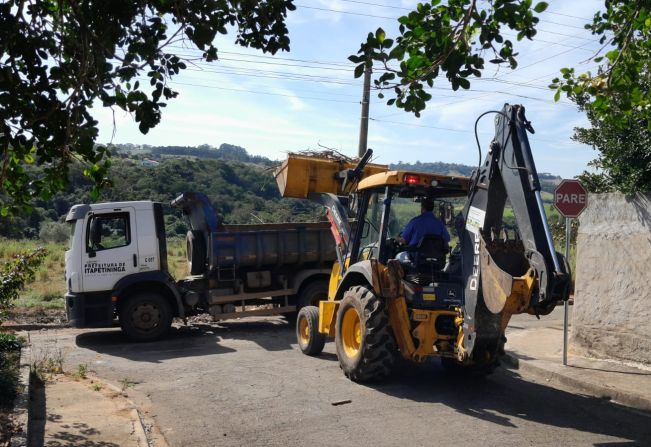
x=366 y=348
x=310 y=340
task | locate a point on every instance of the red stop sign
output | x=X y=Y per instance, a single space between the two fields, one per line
x=570 y=198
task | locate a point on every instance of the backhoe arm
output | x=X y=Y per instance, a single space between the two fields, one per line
x=507 y=276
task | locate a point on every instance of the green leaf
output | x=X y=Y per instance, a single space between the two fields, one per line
x=359 y=70
x=540 y=7
x=380 y=35
x=557 y=95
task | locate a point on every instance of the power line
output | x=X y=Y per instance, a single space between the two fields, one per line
x=346 y=12
x=293 y=88
x=280 y=64
x=564 y=24
x=447 y=129
x=277 y=75
x=377 y=4
x=567 y=15
x=257 y=92
x=264 y=56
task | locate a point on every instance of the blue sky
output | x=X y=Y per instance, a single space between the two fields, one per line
x=272 y=106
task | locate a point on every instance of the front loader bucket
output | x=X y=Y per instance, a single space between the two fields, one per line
x=507 y=278
x=301 y=175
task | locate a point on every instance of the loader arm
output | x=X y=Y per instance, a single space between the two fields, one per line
x=525 y=269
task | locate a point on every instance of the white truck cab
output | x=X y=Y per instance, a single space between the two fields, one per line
x=113 y=245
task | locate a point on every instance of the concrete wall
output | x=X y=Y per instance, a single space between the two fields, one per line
x=612 y=305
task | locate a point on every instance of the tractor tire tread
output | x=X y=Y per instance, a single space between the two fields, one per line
x=379 y=352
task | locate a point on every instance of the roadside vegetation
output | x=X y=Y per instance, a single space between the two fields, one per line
x=10 y=346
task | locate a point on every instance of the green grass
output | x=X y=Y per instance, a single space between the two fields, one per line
x=47 y=288
x=176 y=260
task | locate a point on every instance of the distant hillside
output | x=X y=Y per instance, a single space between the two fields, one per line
x=240 y=192
x=224 y=152
x=237 y=153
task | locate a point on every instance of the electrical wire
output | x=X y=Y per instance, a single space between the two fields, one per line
x=262 y=93
x=477 y=136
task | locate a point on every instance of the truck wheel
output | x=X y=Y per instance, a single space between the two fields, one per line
x=310 y=340
x=365 y=345
x=196 y=252
x=312 y=293
x=145 y=316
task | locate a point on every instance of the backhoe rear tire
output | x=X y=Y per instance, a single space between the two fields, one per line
x=310 y=340
x=365 y=345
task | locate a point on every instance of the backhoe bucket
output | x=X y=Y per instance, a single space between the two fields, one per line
x=301 y=175
x=507 y=278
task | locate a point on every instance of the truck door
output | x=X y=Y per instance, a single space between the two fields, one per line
x=110 y=248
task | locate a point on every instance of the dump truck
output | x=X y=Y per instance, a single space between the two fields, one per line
x=387 y=300
x=116 y=268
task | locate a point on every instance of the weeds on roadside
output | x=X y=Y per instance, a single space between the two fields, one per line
x=126 y=383
x=82 y=371
x=97 y=386
x=48 y=364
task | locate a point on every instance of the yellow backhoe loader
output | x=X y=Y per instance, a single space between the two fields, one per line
x=421 y=301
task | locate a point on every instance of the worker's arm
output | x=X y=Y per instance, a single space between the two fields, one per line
x=405 y=236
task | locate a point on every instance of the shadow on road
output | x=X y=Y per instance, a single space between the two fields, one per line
x=190 y=341
x=505 y=396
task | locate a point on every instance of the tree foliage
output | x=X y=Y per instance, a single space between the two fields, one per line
x=452 y=38
x=14 y=275
x=616 y=99
x=619 y=91
x=59 y=58
x=624 y=160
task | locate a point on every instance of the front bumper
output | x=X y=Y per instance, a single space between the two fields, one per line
x=89 y=309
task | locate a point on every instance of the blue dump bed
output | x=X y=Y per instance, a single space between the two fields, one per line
x=256 y=246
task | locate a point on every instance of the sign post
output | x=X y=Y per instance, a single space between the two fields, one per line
x=570 y=199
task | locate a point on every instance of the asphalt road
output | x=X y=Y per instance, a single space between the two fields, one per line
x=244 y=383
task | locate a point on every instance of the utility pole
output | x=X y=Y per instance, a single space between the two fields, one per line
x=366 y=99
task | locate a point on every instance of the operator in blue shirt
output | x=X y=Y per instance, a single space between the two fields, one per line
x=422 y=225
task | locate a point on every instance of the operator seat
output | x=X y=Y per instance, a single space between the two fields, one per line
x=430 y=253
